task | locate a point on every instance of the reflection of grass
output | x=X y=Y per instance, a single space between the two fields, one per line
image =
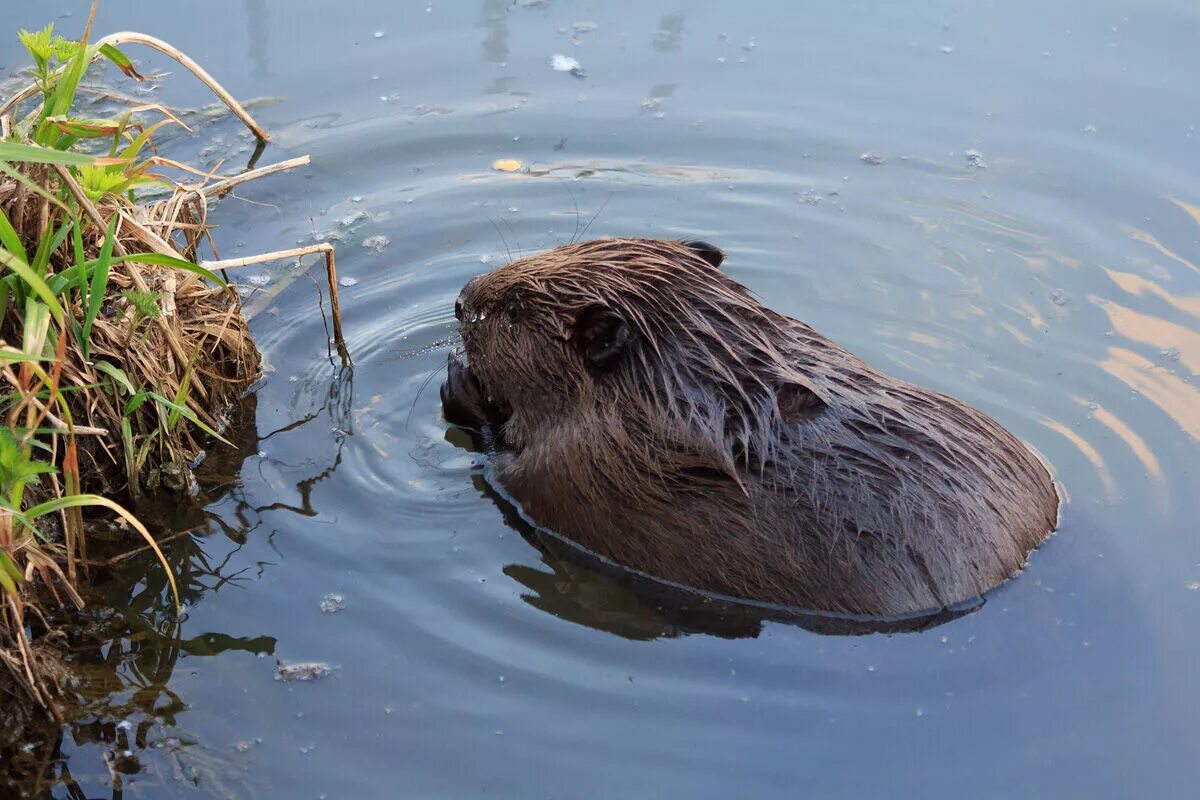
x=119 y=349
x=125 y=658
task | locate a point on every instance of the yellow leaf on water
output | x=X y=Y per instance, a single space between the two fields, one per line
x=506 y=164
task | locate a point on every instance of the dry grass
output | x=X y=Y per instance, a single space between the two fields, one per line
x=120 y=351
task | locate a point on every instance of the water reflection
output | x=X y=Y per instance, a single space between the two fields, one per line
x=494 y=19
x=581 y=587
x=122 y=658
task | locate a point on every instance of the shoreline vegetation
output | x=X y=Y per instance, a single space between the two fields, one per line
x=121 y=351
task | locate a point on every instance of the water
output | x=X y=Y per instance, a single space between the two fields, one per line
x=1029 y=241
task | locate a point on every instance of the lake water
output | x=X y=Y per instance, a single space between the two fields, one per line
x=997 y=200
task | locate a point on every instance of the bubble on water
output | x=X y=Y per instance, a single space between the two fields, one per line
x=301 y=671
x=1089 y=128
x=920 y=712
x=124 y=725
x=485 y=258
x=332 y=603
x=261 y=279
x=1194 y=586
x=347 y=281
x=245 y=746
x=975 y=159
x=1059 y=297
x=353 y=218
x=872 y=159
x=562 y=63
x=809 y=197
x=1171 y=353
x=378 y=34
x=376 y=243
x=947 y=49
x=358 y=198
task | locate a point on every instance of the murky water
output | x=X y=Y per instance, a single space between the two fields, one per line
x=1001 y=202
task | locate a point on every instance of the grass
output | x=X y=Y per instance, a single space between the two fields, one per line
x=119 y=348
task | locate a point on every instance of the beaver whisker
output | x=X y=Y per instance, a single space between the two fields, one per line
x=582 y=233
x=496 y=227
x=420 y=390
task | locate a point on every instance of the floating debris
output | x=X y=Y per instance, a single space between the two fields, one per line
x=301 y=671
x=872 y=159
x=353 y=219
x=975 y=160
x=347 y=281
x=261 y=279
x=506 y=165
x=585 y=26
x=332 y=602
x=561 y=63
x=376 y=243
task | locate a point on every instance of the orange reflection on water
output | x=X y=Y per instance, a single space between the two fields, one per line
x=1178 y=400
x=1089 y=452
x=1153 y=331
x=1136 y=285
x=1149 y=238
x=1126 y=434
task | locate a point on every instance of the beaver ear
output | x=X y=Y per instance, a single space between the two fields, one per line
x=601 y=334
x=709 y=252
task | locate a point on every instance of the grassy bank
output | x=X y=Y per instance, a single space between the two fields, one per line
x=120 y=350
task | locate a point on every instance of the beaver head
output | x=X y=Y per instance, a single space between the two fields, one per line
x=651 y=409
x=630 y=325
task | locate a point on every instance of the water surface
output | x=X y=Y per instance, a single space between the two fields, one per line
x=1025 y=235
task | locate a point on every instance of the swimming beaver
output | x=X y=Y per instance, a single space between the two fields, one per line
x=648 y=407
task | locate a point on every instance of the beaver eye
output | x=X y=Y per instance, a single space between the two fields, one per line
x=513 y=309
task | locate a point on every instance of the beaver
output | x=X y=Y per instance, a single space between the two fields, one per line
x=641 y=403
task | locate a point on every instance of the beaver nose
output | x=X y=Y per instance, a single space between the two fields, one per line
x=464 y=299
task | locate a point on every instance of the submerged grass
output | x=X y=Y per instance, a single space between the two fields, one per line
x=119 y=350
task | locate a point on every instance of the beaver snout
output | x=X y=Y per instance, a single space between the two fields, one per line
x=464 y=401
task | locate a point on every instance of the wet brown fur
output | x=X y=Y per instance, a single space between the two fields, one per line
x=729 y=448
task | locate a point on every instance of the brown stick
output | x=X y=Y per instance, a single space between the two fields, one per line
x=339 y=338
x=133 y=37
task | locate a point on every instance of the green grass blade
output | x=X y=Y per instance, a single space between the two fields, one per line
x=11 y=355
x=164 y=260
x=9 y=238
x=37 y=326
x=117 y=374
x=99 y=285
x=187 y=414
x=47 y=246
x=64 y=91
x=33 y=154
x=121 y=60
x=34 y=282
